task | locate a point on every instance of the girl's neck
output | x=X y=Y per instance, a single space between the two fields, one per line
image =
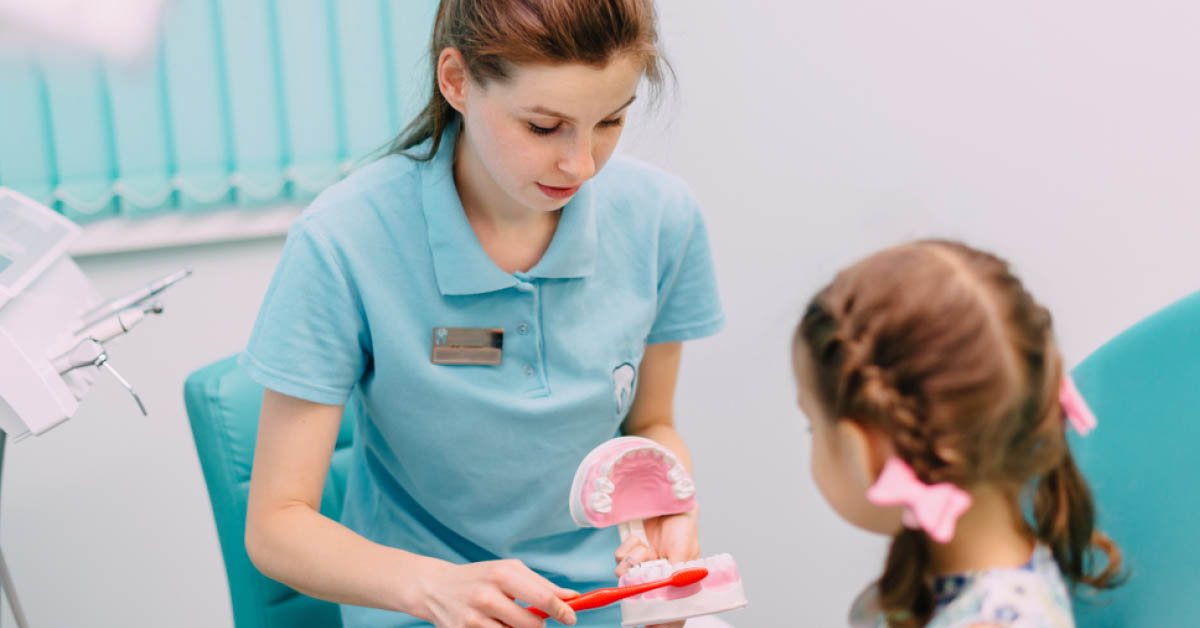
x=992 y=534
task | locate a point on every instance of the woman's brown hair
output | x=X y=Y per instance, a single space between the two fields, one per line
x=495 y=35
x=941 y=348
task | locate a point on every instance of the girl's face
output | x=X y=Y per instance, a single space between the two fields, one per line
x=845 y=458
x=546 y=130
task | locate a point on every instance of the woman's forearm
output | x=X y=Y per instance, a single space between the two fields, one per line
x=324 y=559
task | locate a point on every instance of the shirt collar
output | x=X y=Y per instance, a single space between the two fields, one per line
x=459 y=261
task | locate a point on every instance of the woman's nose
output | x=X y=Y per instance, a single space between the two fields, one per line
x=577 y=161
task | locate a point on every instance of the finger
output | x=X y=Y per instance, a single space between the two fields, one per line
x=626 y=546
x=525 y=585
x=509 y=613
x=679 y=542
x=680 y=549
x=482 y=621
x=641 y=553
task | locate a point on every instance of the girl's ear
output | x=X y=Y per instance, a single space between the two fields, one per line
x=452 y=78
x=865 y=450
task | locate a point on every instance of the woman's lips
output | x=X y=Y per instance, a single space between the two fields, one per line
x=557 y=193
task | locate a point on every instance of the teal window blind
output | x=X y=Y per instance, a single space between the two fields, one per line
x=245 y=103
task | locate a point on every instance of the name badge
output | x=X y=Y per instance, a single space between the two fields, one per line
x=467 y=345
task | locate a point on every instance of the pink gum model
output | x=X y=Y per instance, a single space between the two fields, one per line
x=721 y=591
x=626 y=480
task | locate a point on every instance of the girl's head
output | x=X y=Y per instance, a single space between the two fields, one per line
x=934 y=352
x=542 y=87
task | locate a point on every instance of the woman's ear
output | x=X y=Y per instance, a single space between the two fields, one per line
x=453 y=80
x=865 y=450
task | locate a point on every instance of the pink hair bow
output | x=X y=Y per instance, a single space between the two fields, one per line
x=935 y=509
x=1079 y=415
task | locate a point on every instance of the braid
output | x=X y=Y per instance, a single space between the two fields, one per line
x=867 y=390
x=940 y=348
x=905 y=594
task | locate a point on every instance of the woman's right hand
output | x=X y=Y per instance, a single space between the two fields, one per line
x=481 y=595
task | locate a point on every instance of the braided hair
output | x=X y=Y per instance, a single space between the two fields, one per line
x=939 y=347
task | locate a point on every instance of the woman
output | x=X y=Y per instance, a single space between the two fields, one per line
x=498 y=305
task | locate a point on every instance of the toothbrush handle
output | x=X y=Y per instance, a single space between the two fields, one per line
x=604 y=597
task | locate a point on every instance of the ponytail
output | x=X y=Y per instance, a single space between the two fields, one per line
x=905 y=594
x=1065 y=517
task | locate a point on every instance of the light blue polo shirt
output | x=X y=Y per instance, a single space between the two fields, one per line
x=473 y=463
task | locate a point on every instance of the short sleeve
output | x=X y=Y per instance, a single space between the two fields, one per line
x=310 y=339
x=689 y=305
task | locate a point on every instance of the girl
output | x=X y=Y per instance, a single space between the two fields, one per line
x=937 y=400
x=496 y=305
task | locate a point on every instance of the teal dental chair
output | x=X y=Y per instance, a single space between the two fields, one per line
x=223 y=405
x=1142 y=464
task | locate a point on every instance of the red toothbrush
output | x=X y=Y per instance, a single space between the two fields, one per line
x=604 y=597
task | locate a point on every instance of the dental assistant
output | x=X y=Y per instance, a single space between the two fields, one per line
x=498 y=295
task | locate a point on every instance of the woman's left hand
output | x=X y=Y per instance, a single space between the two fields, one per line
x=673 y=537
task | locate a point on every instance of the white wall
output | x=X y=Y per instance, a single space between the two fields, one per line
x=1065 y=136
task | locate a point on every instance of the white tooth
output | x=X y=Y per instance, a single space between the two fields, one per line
x=683 y=489
x=657 y=569
x=633 y=576
x=601 y=502
x=677 y=473
x=604 y=485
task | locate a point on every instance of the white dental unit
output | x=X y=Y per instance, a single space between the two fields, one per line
x=53 y=327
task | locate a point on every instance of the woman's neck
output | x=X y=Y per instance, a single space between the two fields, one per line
x=991 y=534
x=514 y=236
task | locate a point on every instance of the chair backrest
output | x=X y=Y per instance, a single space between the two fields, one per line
x=223 y=405
x=1144 y=386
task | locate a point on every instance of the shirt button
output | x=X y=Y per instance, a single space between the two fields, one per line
x=528 y=371
x=522 y=329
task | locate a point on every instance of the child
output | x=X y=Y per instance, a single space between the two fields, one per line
x=937 y=400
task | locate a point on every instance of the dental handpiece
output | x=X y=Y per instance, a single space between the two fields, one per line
x=116 y=324
x=111 y=306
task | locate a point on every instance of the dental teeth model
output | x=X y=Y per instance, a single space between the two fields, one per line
x=720 y=591
x=626 y=480
x=629 y=479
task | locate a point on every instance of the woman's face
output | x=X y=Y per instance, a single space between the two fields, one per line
x=546 y=130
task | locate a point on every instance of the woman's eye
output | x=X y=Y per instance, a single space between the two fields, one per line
x=613 y=122
x=542 y=130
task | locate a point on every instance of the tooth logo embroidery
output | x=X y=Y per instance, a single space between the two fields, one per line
x=623 y=378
